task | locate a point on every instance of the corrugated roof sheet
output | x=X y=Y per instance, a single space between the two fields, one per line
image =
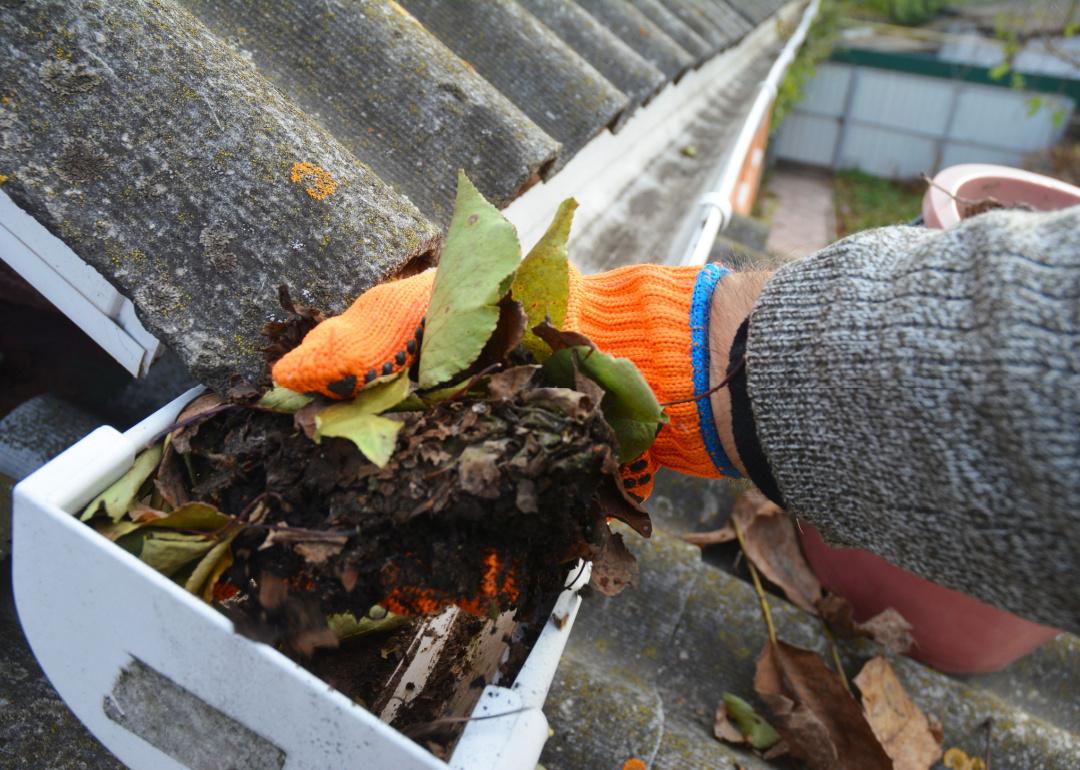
x=391 y=92
x=198 y=153
x=691 y=42
x=511 y=49
x=638 y=32
x=168 y=163
x=615 y=60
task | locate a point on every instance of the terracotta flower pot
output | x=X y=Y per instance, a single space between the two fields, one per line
x=953 y=632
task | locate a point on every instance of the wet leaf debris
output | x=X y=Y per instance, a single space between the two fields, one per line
x=476 y=474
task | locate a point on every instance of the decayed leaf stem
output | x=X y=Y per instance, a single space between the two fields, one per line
x=766 y=613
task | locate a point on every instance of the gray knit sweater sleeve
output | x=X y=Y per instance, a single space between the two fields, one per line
x=917 y=394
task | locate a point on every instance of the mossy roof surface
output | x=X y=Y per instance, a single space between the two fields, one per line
x=200 y=153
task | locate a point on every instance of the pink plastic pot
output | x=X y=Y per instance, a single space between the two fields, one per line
x=976 y=181
x=953 y=632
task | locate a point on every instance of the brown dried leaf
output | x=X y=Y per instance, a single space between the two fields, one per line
x=723 y=535
x=614 y=567
x=508 y=383
x=773 y=546
x=181 y=437
x=904 y=731
x=478 y=472
x=887 y=628
x=509 y=331
x=818 y=719
x=318 y=553
x=572 y=403
x=304 y=418
x=283 y=336
x=558 y=339
x=170 y=481
x=615 y=503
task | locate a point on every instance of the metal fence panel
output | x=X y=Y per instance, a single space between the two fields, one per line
x=884 y=152
x=1001 y=118
x=808 y=138
x=896 y=100
x=826 y=93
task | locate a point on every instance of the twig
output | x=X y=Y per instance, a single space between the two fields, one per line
x=972 y=201
x=989 y=730
x=425 y=728
x=762 y=601
x=835 y=652
x=723 y=383
x=306 y=535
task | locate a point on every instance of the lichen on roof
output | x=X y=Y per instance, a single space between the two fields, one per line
x=390 y=92
x=166 y=161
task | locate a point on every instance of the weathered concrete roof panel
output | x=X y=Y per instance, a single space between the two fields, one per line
x=166 y=161
x=528 y=63
x=625 y=68
x=690 y=41
x=695 y=14
x=638 y=32
x=724 y=14
x=392 y=93
x=757 y=10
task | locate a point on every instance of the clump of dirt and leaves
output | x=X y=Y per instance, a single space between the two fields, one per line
x=479 y=476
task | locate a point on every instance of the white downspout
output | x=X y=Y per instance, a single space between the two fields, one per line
x=715 y=205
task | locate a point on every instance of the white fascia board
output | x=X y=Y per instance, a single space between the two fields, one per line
x=76 y=289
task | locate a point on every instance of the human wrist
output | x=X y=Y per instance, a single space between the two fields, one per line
x=731 y=303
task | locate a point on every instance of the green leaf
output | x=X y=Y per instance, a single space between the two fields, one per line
x=168 y=551
x=1034 y=104
x=542 y=285
x=1000 y=71
x=629 y=405
x=358 y=420
x=477 y=266
x=284 y=400
x=759 y=733
x=118 y=498
x=345 y=625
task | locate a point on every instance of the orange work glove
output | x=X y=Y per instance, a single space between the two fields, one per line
x=657 y=316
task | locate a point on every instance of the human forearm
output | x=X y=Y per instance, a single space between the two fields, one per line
x=917 y=393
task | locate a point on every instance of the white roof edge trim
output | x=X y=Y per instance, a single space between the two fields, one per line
x=76 y=289
x=714 y=208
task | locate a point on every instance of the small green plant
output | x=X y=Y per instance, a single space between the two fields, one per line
x=863 y=201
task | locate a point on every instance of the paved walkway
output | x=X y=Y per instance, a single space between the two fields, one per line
x=800 y=205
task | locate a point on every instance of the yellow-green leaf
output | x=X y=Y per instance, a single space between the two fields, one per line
x=542 y=284
x=359 y=422
x=345 y=625
x=373 y=435
x=168 y=551
x=284 y=400
x=202 y=517
x=208 y=565
x=757 y=732
x=118 y=498
x=477 y=266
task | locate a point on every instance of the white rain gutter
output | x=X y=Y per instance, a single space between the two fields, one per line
x=716 y=208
